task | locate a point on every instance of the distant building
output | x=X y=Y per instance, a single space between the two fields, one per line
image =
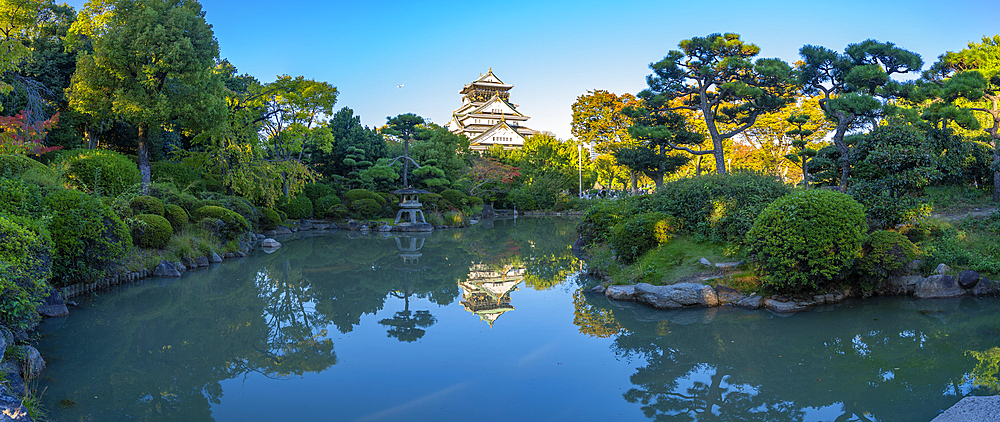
x=487 y=117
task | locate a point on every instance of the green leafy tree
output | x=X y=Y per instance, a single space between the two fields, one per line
x=715 y=76
x=446 y=152
x=152 y=66
x=599 y=121
x=659 y=133
x=802 y=152
x=855 y=85
x=403 y=128
x=348 y=133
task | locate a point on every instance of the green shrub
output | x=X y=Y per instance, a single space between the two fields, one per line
x=90 y=240
x=243 y=207
x=637 y=234
x=806 y=239
x=338 y=212
x=146 y=205
x=359 y=194
x=103 y=171
x=366 y=208
x=206 y=203
x=597 y=221
x=453 y=218
x=885 y=211
x=717 y=207
x=434 y=202
x=181 y=175
x=13 y=166
x=25 y=264
x=297 y=207
x=456 y=197
x=269 y=219
x=151 y=232
x=324 y=205
x=885 y=253
x=20 y=198
x=176 y=215
x=314 y=191
x=234 y=225
x=475 y=204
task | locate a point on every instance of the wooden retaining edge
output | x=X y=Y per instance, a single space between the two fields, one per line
x=122 y=278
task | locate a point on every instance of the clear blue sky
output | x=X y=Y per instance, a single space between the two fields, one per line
x=551 y=51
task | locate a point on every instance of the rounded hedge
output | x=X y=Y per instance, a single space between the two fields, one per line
x=205 y=203
x=90 y=240
x=176 y=215
x=269 y=219
x=885 y=253
x=104 y=171
x=456 y=197
x=25 y=264
x=637 y=234
x=153 y=232
x=314 y=191
x=297 y=207
x=597 y=221
x=366 y=208
x=146 y=205
x=359 y=194
x=234 y=225
x=806 y=239
x=12 y=165
x=325 y=204
x=20 y=198
x=243 y=207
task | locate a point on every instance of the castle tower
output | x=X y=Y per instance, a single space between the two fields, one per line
x=487 y=117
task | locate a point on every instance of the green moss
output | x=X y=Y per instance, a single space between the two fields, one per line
x=176 y=215
x=89 y=238
x=234 y=225
x=153 y=231
x=146 y=205
x=806 y=239
x=101 y=171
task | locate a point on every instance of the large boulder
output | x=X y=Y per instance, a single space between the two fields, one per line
x=270 y=243
x=903 y=285
x=728 y=295
x=11 y=370
x=32 y=363
x=626 y=293
x=282 y=230
x=166 y=269
x=938 y=286
x=11 y=407
x=785 y=307
x=986 y=287
x=53 y=305
x=676 y=295
x=201 y=261
x=214 y=258
x=968 y=278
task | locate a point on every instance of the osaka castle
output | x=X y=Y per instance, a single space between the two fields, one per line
x=487 y=117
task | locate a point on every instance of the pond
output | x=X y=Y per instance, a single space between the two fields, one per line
x=491 y=323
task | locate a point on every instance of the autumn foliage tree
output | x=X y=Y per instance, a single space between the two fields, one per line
x=20 y=135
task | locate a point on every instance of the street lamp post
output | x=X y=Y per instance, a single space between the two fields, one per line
x=579 y=156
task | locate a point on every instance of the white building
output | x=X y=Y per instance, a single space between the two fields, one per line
x=487 y=117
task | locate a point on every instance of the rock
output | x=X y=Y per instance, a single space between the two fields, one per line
x=188 y=262
x=214 y=258
x=986 y=287
x=166 y=269
x=903 y=285
x=942 y=269
x=282 y=230
x=598 y=289
x=785 y=307
x=229 y=255
x=304 y=227
x=972 y=409
x=728 y=265
x=270 y=243
x=179 y=266
x=968 y=278
x=32 y=364
x=938 y=286
x=268 y=233
x=11 y=408
x=914 y=265
x=365 y=228
x=705 y=262
x=201 y=261
x=419 y=227
x=728 y=295
x=53 y=305
x=626 y=293
x=676 y=296
x=353 y=226
x=753 y=301
x=385 y=228
x=240 y=254
x=12 y=369
x=7 y=335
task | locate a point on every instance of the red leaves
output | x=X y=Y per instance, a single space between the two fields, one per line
x=20 y=135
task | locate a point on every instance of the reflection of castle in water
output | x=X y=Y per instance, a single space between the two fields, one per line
x=487 y=291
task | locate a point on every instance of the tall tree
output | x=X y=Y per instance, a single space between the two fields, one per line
x=348 y=133
x=658 y=132
x=717 y=77
x=599 y=121
x=969 y=81
x=854 y=85
x=152 y=65
x=404 y=127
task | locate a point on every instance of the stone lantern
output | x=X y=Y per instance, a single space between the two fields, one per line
x=410 y=217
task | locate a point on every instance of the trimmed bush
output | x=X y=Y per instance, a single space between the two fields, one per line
x=243 y=207
x=14 y=166
x=153 y=232
x=806 y=239
x=181 y=175
x=325 y=204
x=597 y=221
x=434 y=202
x=176 y=215
x=90 y=240
x=366 y=208
x=358 y=194
x=269 y=219
x=314 y=191
x=25 y=264
x=717 y=207
x=456 y=197
x=885 y=253
x=297 y=207
x=234 y=225
x=637 y=234
x=104 y=171
x=20 y=198
x=205 y=203
x=146 y=205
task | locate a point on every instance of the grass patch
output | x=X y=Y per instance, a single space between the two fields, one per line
x=968 y=244
x=672 y=262
x=956 y=200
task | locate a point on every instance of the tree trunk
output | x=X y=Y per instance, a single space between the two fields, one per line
x=145 y=167
x=632 y=176
x=91 y=136
x=697 y=166
x=805 y=172
x=996 y=174
x=843 y=122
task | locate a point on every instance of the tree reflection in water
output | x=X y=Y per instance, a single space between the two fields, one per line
x=857 y=361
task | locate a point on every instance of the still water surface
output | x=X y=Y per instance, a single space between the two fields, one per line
x=490 y=324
